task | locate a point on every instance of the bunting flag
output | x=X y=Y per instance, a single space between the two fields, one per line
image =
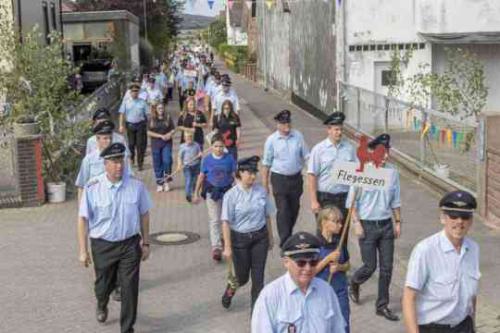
x=443 y=136
x=249 y=4
x=449 y=136
x=425 y=129
x=230 y=4
x=269 y=3
x=454 y=139
x=211 y=3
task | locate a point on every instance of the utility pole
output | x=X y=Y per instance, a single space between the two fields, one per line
x=145 y=20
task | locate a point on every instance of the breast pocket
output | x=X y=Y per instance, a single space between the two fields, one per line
x=442 y=287
x=472 y=281
x=290 y=322
x=103 y=209
x=131 y=205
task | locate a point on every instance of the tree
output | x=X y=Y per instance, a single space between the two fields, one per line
x=163 y=17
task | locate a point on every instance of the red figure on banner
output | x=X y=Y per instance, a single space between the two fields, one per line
x=365 y=155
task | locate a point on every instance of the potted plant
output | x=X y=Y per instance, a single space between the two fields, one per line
x=25 y=125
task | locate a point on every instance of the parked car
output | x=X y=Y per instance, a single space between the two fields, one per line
x=94 y=74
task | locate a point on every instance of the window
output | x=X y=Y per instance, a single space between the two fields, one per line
x=46 y=28
x=286 y=6
x=254 y=8
x=53 y=15
x=387 y=77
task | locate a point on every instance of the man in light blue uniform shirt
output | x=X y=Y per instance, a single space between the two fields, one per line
x=114 y=214
x=285 y=153
x=441 y=288
x=226 y=93
x=101 y=115
x=322 y=189
x=298 y=301
x=133 y=117
x=248 y=236
x=373 y=213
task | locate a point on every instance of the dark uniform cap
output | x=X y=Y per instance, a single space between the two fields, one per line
x=249 y=164
x=134 y=85
x=458 y=203
x=101 y=113
x=104 y=127
x=283 y=117
x=336 y=118
x=226 y=82
x=114 y=150
x=301 y=244
x=383 y=139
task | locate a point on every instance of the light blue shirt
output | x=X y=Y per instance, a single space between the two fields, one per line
x=281 y=304
x=446 y=281
x=221 y=97
x=114 y=211
x=135 y=110
x=246 y=209
x=92 y=142
x=322 y=161
x=93 y=165
x=188 y=153
x=377 y=204
x=285 y=155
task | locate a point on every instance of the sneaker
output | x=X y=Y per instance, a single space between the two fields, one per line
x=166 y=187
x=227 y=297
x=217 y=254
x=159 y=188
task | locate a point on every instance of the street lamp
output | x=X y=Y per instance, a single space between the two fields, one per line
x=146 y=19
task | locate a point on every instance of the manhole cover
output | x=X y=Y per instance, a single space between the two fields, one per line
x=174 y=238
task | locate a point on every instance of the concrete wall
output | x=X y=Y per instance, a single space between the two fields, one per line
x=457 y=16
x=312 y=52
x=274 y=46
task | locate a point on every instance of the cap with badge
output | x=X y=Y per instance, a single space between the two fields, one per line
x=104 y=127
x=283 y=117
x=336 y=118
x=458 y=204
x=101 y=113
x=383 y=139
x=134 y=86
x=249 y=164
x=114 y=150
x=301 y=245
x=226 y=82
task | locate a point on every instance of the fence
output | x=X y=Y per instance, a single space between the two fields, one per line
x=443 y=145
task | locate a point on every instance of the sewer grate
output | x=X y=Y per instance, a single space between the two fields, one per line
x=174 y=238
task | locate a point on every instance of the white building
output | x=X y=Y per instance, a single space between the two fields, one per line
x=235 y=32
x=372 y=29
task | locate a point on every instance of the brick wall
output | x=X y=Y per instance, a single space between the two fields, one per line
x=29 y=170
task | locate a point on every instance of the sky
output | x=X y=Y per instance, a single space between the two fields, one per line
x=200 y=7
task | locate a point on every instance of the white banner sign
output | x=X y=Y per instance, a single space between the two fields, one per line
x=371 y=178
x=190 y=73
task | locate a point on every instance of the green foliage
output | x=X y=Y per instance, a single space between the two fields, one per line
x=235 y=56
x=217 y=33
x=34 y=81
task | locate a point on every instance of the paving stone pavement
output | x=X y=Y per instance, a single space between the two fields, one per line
x=44 y=289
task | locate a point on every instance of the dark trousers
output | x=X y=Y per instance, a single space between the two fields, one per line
x=287 y=191
x=181 y=98
x=378 y=239
x=137 y=136
x=466 y=326
x=249 y=258
x=122 y=259
x=233 y=151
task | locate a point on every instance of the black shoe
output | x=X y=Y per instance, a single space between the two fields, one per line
x=354 y=292
x=102 y=315
x=227 y=297
x=188 y=198
x=117 y=295
x=387 y=313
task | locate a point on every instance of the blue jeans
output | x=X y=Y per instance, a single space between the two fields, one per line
x=190 y=174
x=162 y=162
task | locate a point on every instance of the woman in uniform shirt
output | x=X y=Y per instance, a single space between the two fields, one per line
x=246 y=226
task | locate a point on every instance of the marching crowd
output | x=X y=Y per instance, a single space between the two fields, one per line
x=314 y=294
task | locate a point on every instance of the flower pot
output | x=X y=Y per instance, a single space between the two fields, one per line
x=56 y=192
x=442 y=170
x=25 y=129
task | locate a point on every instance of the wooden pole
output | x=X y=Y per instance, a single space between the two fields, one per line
x=346 y=227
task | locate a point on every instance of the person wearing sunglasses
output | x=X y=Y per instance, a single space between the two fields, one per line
x=298 y=301
x=246 y=227
x=441 y=286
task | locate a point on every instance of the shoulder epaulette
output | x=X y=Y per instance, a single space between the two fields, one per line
x=92 y=182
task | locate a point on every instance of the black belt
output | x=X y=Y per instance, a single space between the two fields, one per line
x=379 y=223
x=250 y=233
x=444 y=326
x=299 y=174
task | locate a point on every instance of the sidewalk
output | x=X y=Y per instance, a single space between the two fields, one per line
x=44 y=289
